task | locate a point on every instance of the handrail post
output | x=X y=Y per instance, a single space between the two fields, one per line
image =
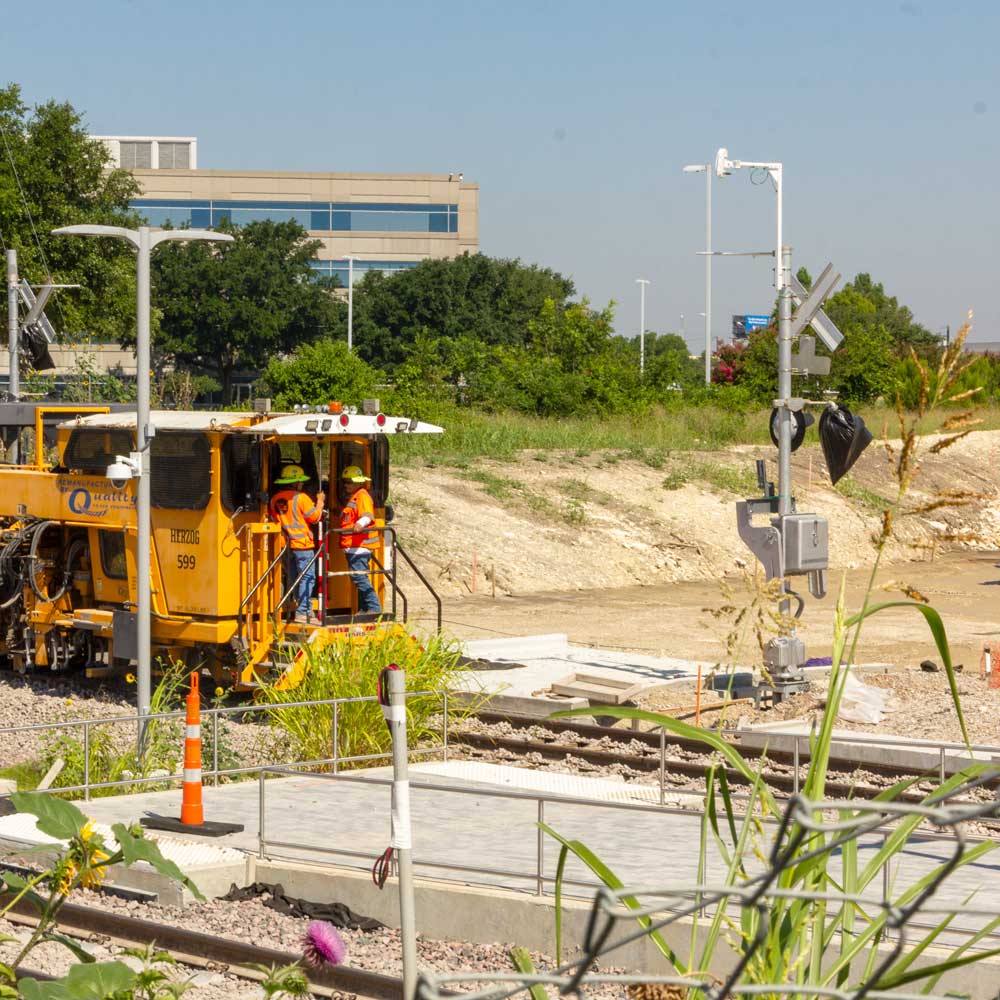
x=795 y=767
x=444 y=709
x=215 y=747
x=540 y=851
x=260 y=814
x=86 y=761
x=336 y=737
x=663 y=765
x=942 y=765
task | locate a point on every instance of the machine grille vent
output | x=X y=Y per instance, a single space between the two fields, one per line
x=182 y=471
x=94 y=450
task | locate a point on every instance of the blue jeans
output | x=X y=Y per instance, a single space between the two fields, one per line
x=357 y=563
x=304 y=591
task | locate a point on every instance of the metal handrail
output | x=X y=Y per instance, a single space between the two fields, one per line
x=539 y=877
x=214 y=714
x=423 y=579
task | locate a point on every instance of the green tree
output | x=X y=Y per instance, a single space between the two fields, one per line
x=864 y=302
x=318 y=373
x=228 y=307
x=486 y=298
x=52 y=174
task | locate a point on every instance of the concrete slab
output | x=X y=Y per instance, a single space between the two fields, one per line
x=525 y=667
x=864 y=748
x=212 y=868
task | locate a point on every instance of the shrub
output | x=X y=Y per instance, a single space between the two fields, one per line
x=317 y=373
x=348 y=668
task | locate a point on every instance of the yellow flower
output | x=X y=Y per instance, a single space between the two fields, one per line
x=69 y=701
x=95 y=875
x=130 y=678
x=219 y=692
x=66 y=872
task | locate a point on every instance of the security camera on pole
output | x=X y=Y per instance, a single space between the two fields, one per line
x=793 y=544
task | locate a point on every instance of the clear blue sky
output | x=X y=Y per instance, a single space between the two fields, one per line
x=576 y=118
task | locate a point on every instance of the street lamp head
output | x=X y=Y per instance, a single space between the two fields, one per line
x=696 y=168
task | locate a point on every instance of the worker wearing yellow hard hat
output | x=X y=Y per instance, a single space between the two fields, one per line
x=296 y=514
x=356 y=537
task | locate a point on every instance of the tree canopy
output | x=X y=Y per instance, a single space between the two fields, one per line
x=51 y=175
x=491 y=299
x=231 y=307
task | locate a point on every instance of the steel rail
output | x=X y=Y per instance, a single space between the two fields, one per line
x=203 y=947
x=792 y=758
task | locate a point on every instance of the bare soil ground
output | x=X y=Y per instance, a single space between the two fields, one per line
x=597 y=546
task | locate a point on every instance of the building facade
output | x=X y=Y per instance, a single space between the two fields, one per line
x=385 y=222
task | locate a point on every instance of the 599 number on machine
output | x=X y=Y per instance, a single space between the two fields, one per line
x=185 y=561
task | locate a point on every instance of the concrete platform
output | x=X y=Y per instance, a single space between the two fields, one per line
x=537 y=661
x=211 y=867
x=460 y=819
x=324 y=833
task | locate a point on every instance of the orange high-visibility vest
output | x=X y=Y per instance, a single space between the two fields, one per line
x=357 y=507
x=297 y=518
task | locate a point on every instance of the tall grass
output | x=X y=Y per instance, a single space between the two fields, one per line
x=473 y=434
x=349 y=669
x=803 y=937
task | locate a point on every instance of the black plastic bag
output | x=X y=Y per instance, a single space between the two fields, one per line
x=844 y=437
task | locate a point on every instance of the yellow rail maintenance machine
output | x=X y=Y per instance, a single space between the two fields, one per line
x=221 y=597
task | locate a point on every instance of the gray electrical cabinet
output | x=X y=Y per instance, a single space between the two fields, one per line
x=806 y=543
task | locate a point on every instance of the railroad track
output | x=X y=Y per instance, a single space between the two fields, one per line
x=779 y=775
x=197 y=948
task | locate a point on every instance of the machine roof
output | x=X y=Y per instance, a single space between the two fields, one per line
x=167 y=420
x=279 y=425
x=327 y=424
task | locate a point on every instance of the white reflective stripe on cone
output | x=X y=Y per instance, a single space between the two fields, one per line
x=192 y=776
x=194 y=732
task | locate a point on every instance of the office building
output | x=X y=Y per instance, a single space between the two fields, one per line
x=385 y=222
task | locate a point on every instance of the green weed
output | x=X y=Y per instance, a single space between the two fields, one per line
x=346 y=669
x=852 y=490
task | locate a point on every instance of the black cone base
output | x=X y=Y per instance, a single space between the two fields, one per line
x=173 y=825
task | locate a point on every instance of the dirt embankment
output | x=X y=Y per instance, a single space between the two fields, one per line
x=565 y=521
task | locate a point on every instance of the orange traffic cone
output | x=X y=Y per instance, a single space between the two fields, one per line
x=192 y=813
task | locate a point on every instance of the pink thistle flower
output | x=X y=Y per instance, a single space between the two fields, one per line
x=322 y=945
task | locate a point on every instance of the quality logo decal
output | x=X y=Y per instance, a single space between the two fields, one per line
x=88 y=499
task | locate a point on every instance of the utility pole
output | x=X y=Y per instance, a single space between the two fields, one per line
x=13 y=334
x=13 y=347
x=642 y=282
x=706 y=168
x=350 y=304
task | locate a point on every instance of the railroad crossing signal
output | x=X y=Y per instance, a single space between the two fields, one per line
x=809 y=311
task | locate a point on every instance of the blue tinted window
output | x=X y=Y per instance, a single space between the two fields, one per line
x=172 y=217
x=218 y=214
x=320 y=220
x=201 y=218
x=342 y=221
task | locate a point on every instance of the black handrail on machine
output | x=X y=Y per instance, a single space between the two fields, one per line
x=381 y=571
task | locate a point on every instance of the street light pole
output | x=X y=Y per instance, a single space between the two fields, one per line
x=350 y=304
x=706 y=169
x=144 y=240
x=642 y=282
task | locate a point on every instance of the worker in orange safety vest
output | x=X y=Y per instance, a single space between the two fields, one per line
x=296 y=513
x=357 y=542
